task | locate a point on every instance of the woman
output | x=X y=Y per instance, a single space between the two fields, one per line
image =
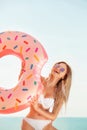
x=45 y=108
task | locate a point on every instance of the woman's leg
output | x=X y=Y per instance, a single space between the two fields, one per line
x=49 y=127
x=26 y=126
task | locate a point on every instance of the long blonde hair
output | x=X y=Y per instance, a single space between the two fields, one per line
x=62 y=88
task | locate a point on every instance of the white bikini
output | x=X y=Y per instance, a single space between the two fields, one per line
x=47 y=103
x=37 y=124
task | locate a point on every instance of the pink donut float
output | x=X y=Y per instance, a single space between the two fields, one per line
x=33 y=57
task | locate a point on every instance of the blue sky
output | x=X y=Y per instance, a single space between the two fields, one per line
x=61 y=27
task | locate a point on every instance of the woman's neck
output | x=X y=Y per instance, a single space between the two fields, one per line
x=51 y=81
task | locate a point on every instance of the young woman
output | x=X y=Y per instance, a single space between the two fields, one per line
x=45 y=108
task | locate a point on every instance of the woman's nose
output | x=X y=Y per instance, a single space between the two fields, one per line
x=58 y=70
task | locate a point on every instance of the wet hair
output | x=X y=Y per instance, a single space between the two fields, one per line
x=65 y=84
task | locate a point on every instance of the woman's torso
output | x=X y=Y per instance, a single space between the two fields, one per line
x=45 y=104
x=48 y=97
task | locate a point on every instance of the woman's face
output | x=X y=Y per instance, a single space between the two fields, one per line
x=59 y=70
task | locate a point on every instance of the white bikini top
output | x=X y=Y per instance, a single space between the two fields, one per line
x=47 y=103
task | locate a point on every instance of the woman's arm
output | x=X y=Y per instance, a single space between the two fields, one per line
x=43 y=80
x=46 y=113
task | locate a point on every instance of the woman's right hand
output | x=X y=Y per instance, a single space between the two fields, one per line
x=34 y=102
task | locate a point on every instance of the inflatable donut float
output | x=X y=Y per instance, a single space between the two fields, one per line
x=33 y=56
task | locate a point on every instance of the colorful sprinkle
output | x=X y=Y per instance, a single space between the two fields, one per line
x=3 y=108
x=0 y=40
x=16 y=106
x=18 y=100
x=15 y=47
x=16 y=37
x=8 y=38
x=35 y=56
x=28 y=97
x=2 y=99
x=29 y=76
x=25 y=89
x=27 y=49
x=23 y=82
x=25 y=42
x=4 y=47
x=26 y=58
x=21 y=48
x=24 y=35
x=31 y=66
x=6 y=89
x=35 y=41
x=15 y=88
x=2 y=32
x=35 y=82
x=23 y=70
x=36 y=49
x=9 y=95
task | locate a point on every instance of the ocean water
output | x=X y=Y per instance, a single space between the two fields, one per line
x=14 y=123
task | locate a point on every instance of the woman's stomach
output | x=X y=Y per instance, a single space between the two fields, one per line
x=35 y=115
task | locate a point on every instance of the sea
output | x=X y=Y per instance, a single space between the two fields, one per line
x=70 y=123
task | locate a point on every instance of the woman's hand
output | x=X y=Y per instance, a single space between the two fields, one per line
x=34 y=102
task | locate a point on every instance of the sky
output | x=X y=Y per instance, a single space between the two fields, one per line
x=61 y=27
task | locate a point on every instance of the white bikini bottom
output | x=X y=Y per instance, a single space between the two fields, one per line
x=37 y=124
